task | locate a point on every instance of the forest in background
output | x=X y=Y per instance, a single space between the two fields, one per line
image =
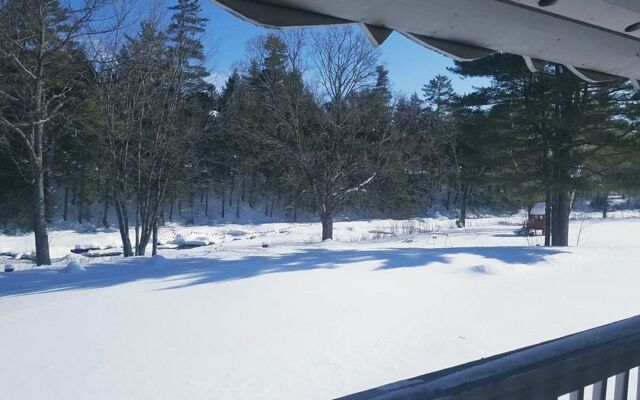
x=123 y=115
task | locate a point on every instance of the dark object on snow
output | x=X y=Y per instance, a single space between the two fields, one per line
x=84 y=250
x=8 y=268
x=189 y=246
x=103 y=253
x=535 y=222
x=265 y=245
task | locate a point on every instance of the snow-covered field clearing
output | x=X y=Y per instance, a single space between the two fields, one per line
x=385 y=301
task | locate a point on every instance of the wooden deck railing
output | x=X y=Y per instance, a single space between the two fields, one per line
x=572 y=365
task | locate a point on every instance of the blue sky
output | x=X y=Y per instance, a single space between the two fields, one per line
x=410 y=66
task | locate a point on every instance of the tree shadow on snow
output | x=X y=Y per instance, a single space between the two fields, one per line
x=185 y=272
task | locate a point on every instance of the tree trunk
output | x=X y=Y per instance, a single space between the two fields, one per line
x=105 y=211
x=563 y=195
x=237 y=207
x=39 y=220
x=79 y=211
x=326 y=217
x=137 y=227
x=564 y=210
x=273 y=199
x=605 y=205
x=38 y=165
x=192 y=206
x=206 y=203
x=463 y=214
x=554 y=219
x=463 y=198
x=222 y=203
x=150 y=215
x=244 y=185
x=547 y=218
x=81 y=196
x=252 y=189
x=123 y=227
x=146 y=235
x=548 y=195
x=154 y=250
x=65 y=209
x=171 y=210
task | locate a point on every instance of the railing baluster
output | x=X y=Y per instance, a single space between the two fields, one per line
x=600 y=390
x=622 y=386
x=638 y=385
x=577 y=395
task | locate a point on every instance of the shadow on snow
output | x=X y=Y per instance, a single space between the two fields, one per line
x=185 y=272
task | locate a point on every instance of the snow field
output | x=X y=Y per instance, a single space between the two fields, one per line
x=302 y=319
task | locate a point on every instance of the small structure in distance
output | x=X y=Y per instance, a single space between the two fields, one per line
x=536 y=221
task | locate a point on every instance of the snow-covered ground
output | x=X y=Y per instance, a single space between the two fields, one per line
x=299 y=319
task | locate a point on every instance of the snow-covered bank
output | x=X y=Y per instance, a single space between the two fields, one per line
x=435 y=232
x=236 y=321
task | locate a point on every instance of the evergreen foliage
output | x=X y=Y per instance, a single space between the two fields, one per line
x=310 y=124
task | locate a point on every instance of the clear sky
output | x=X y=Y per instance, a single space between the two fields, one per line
x=410 y=65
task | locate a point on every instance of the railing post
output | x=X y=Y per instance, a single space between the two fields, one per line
x=622 y=386
x=577 y=395
x=600 y=390
x=638 y=385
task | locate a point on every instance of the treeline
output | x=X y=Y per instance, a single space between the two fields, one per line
x=90 y=115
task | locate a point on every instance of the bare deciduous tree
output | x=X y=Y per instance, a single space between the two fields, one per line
x=39 y=39
x=326 y=137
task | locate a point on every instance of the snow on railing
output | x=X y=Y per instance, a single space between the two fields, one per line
x=569 y=366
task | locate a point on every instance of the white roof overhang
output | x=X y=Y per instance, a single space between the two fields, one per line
x=598 y=40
